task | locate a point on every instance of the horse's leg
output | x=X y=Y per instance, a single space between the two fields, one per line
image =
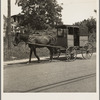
x=30 y=55
x=36 y=55
x=51 y=53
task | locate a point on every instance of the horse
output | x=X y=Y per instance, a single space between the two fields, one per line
x=34 y=39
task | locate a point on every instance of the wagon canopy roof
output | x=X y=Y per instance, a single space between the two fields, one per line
x=67 y=26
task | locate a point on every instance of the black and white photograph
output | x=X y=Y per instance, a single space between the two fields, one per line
x=50 y=48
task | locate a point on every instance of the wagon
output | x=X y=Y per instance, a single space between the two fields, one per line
x=71 y=42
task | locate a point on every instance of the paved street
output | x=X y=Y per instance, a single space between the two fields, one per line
x=55 y=76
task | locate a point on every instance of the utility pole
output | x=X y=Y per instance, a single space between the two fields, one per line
x=9 y=25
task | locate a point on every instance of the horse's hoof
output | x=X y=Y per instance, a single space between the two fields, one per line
x=28 y=62
x=50 y=60
x=38 y=61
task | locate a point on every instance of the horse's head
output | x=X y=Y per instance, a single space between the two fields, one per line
x=16 y=39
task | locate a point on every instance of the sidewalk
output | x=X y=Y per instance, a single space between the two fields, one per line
x=22 y=60
x=33 y=59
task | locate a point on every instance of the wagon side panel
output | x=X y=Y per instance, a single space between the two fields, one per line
x=61 y=42
x=70 y=40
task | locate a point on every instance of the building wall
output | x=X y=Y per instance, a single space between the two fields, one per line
x=15 y=20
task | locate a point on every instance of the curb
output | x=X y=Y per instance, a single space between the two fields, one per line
x=22 y=60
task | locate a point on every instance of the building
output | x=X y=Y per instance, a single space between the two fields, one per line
x=15 y=20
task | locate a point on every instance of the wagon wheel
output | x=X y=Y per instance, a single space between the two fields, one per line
x=87 y=51
x=58 y=52
x=92 y=38
x=71 y=54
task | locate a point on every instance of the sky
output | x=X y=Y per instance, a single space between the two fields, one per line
x=73 y=10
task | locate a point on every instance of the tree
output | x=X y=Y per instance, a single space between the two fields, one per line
x=40 y=14
x=89 y=27
x=89 y=23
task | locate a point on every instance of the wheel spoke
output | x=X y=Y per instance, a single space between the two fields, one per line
x=57 y=54
x=71 y=54
x=87 y=51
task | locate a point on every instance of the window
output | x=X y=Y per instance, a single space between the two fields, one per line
x=70 y=31
x=60 y=32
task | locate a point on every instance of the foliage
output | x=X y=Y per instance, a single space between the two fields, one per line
x=89 y=24
x=40 y=14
